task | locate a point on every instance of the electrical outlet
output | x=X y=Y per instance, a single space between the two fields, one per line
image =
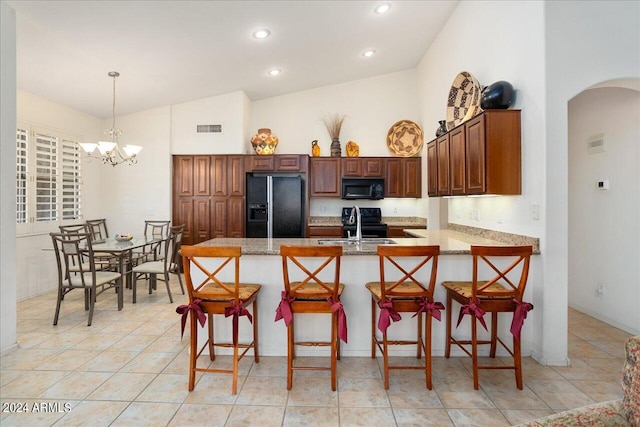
x=600 y=290
x=323 y=208
x=395 y=210
x=500 y=217
x=458 y=214
x=476 y=214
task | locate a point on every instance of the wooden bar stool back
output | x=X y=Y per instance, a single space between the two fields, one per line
x=501 y=293
x=407 y=294
x=317 y=291
x=212 y=296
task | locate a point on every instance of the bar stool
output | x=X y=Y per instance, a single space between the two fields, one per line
x=501 y=293
x=405 y=295
x=213 y=296
x=312 y=295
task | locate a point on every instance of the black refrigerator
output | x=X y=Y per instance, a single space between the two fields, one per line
x=275 y=206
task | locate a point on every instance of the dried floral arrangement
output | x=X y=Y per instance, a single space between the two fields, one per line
x=333 y=125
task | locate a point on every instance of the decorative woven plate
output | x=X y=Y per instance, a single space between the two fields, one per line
x=404 y=138
x=464 y=99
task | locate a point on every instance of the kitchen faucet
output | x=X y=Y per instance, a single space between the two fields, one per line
x=355 y=216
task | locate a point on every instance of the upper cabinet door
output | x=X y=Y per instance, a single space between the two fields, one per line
x=372 y=167
x=324 y=176
x=352 y=167
x=235 y=175
x=394 y=180
x=444 y=188
x=457 y=161
x=182 y=176
x=432 y=168
x=219 y=175
x=201 y=178
x=476 y=159
x=413 y=177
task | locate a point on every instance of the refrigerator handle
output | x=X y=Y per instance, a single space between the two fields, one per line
x=269 y=207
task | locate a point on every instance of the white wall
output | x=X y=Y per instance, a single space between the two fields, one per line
x=229 y=110
x=586 y=43
x=7 y=178
x=604 y=226
x=142 y=191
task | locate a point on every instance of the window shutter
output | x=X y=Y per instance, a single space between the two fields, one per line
x=22 y=176
x=71 y=180
x=46 y=147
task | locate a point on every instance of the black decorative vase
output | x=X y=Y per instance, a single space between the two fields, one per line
x=336 y=151
x=442 y=129
x=499 y=95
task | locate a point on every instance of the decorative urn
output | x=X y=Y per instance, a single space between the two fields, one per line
x=264 y=142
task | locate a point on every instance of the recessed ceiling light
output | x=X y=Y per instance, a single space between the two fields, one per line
x=261 y=34
x=274 y=71
x=383 y=8
x=368 y=53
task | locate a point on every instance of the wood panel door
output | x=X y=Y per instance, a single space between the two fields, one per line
x=183 y=214
x=394 y=178
x=457 y=162
x=235 y=175
x=351 y=167
x=476 y=159
x=219 y=217
x=201 y=220
x=412 y=177
x=443 y=165
x=182 y=176
x=201 y=178
x=432 y=169
x=324 y=177
x=235 y=217
x=372 y=167
x=219 y=187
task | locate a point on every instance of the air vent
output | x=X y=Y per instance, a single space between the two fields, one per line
x=209 y=128
x=595 y=143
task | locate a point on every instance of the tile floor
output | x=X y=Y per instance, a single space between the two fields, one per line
x=130 y=369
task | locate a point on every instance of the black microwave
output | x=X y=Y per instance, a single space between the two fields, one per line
x=363 y=188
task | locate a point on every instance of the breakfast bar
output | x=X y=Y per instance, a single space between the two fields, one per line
x=261 y=263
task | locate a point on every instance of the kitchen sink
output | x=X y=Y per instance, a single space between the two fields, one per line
x=354 y=242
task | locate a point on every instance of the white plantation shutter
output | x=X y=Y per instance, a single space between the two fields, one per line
x=46 y=177
x=71 y=180
x=22 y=176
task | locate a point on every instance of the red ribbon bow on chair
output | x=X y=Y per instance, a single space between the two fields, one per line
x=433 y=308
x=284 y=309
x=342 y=318
x=387 y=313
x=236 y=311
x=184 y=311
x=520 y=313
x=473 y=309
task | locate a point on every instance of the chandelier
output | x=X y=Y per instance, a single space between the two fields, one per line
x=109 y=151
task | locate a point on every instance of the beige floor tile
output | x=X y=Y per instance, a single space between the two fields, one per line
x=68 y=360
x=295 y=416
x=312 y=392
x=149 y=362
x=359 y=367
x=448 y=368
x=610 y=369
x=520 y=416
x=121 y=327
x=559 y=394
x=611 y=347
x=370 y=417
x=26 y=359
x=478 y=417
x=212 y=389
x=168 y=344
x=179 y=364
x=266 y=416
x=201 y=415
x=505 y=395
x=422 y=417
x=132 y=342
x=62 y=341
x=408 y=393
x=146 y=414
x=599 y=391
x=582 y=349
x=579 y=370
x=99 y=341
x=156 y=328
x=312 y=361
x=108 y=361
x=8 y=376
x=75 y=386
x=31 y=384
x=362 y=392
x=263 y=391
x=33 y=339
x=270 y=367
x=100 y=413
x=122 y=387
x=459 y=393
x=165 y=388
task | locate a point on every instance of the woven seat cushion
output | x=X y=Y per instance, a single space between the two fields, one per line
x=410 y=288
x=310 y=291
x=464 y=289
x=214 y=292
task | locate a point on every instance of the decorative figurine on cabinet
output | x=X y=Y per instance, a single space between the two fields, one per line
x=315 y=148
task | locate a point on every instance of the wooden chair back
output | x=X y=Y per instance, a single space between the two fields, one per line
x=390 y=262
x=298 y=256
x=512 y=277
x=224 y=258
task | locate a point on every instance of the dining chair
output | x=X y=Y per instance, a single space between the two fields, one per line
x=502 y=292
x=312 y=285
x=210 y=295
x=76 y=273
x=154 y=251
x=160 y=270
x=407 y=283
x=98 y=229
x=103 y=261
x=175 y=266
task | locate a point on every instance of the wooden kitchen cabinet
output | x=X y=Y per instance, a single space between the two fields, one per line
x=432 y=168
x=315 y=231
x=363 y=167
x=397 y=230
x=324 y=177
x=403 y=177
x=481 y=156
x=208 y=196
x=276 y=163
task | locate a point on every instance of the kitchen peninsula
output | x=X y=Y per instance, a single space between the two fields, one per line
x=261 y=263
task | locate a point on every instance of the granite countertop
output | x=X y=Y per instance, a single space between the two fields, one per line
x=451 y=243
